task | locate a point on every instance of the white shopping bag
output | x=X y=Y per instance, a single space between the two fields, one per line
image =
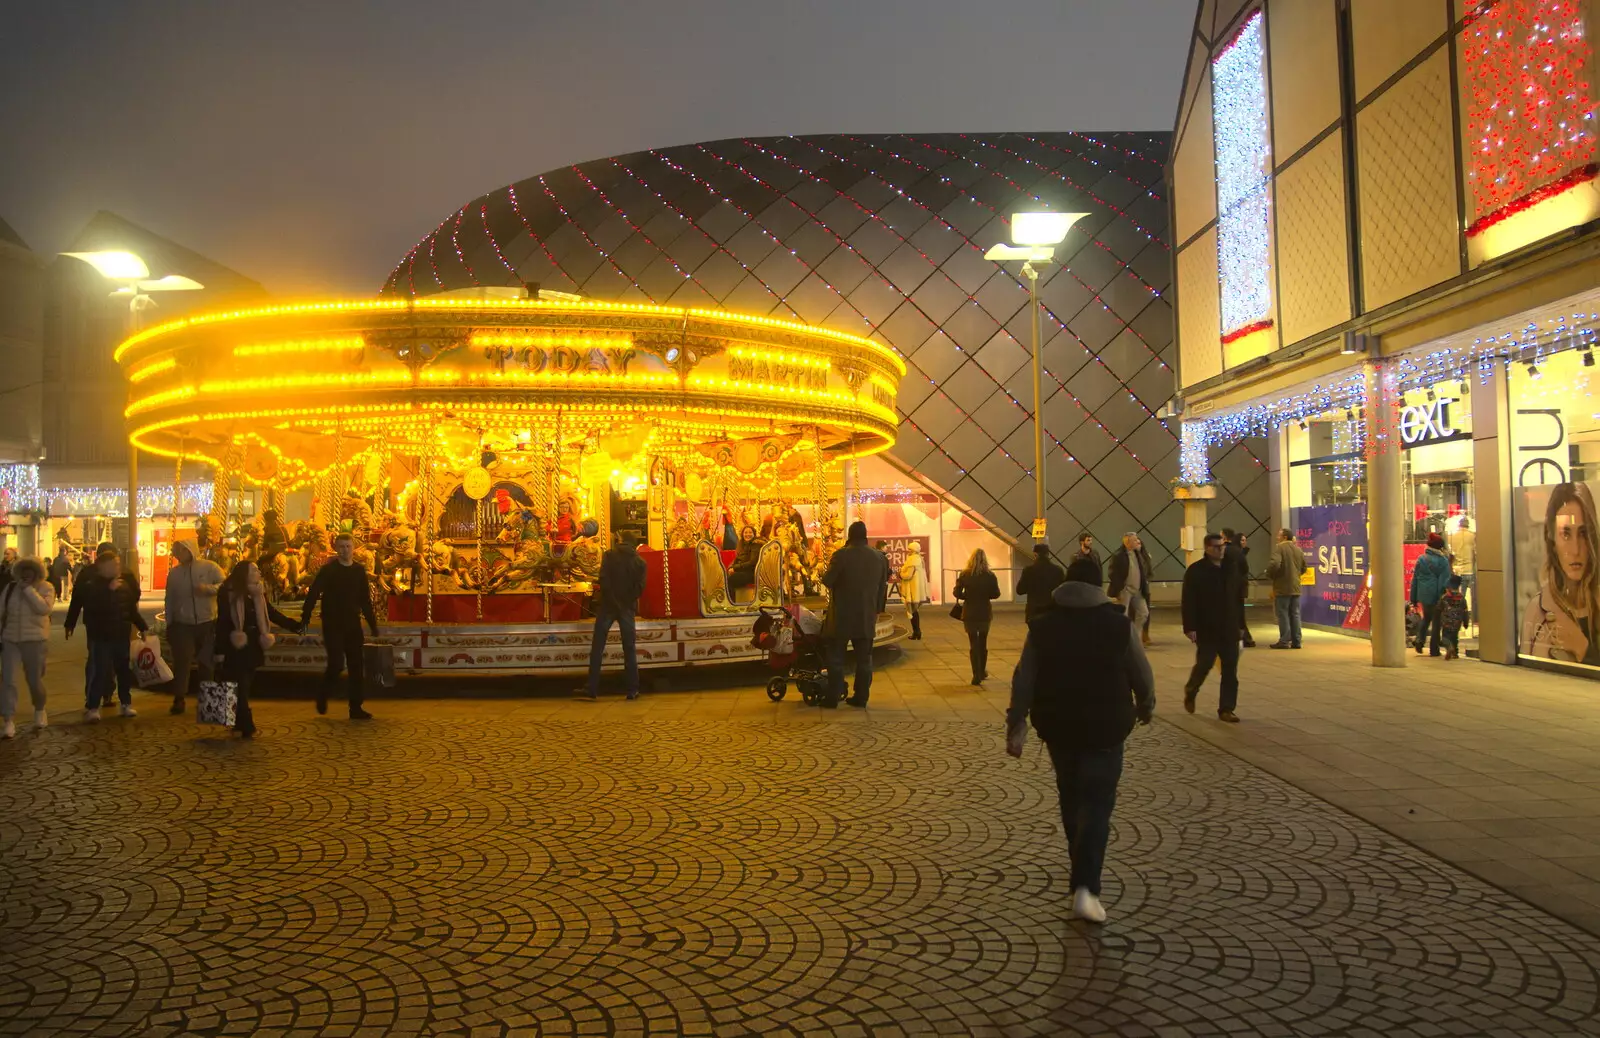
x=216 y=703
x=149 y=669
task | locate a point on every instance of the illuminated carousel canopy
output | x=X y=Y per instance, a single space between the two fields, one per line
x=285 y=393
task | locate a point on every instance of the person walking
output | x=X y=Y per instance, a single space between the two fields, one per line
x=244 y=630
x=60 y=569
x=976 y=589
x=1130 y=583
x=914 y=587
x=1452 y=615
x=1463 y=547
x=858 y=590
x=109 y=605
x=1211 y=622
x=1428 y=581
x=1084 y=681
x=341 y=586
x=1428 y=586
x=622 y=576
x=1039 y=580
x=8 y=561
x=1086 y=551
x=1284 y=569
x=25 y=606
x=1235 y=558
x=191 y=604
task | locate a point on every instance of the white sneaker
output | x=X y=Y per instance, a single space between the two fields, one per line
x=1087 y=907
x=128 y=711
x=41 y=719
x=91 y=716
x=9 y=731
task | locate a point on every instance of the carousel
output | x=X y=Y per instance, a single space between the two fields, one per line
x=485 y=451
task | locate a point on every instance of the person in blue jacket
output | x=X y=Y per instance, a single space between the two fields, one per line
x=1428 y=582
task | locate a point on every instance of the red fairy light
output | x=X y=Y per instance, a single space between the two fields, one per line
x=1530 y=117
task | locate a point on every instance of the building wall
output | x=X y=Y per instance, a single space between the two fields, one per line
x=1382 y=174
x=21 y=345
x=884 y=234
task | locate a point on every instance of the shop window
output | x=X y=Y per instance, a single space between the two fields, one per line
x=1555 y=478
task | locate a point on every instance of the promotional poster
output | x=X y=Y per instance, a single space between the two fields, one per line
x=896 y=550
x=1557 y=545
x=1334 y=538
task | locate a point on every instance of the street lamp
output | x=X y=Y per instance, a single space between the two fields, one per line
x=1034 y=237
x=134 y=283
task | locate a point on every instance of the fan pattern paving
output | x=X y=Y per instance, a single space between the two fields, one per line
x=842 y=876
x=884 y=234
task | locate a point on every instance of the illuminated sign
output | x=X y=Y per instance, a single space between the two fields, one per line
x=1422 y=424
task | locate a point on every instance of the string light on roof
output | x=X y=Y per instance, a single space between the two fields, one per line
x=1244 y=158
x=1530 y=114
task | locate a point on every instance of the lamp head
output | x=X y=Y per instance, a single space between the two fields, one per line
x=1042 y=228
x=114 y=264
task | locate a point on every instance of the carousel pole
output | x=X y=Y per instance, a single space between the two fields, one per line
x=424 y=512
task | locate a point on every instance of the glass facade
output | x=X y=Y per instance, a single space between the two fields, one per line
x=884 y=234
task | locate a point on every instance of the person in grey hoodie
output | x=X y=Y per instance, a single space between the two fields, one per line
x=191 y=604
x=1084 y=680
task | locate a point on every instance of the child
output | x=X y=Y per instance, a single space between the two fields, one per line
x=1453 y=607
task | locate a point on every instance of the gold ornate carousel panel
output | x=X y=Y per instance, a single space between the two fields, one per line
x=485 y=452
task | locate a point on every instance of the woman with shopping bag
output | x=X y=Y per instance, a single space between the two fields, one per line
x=244 y=633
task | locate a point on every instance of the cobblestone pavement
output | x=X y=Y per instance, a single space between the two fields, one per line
x=528 y=867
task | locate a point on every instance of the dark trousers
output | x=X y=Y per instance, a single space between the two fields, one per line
x=191 y=644
x=343 y=644
x=862 y=645
x=1432 y=621
x=1207 y=650
x=604 y=617
x=978 y=650
x=107 y=668
x=1086 y=781
x=1244 y=628
x=243 y=676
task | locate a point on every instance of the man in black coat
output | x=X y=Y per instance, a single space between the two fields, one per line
x=1211 y=621
x=1084 y=680
x=858 y=590
x=1129 y=582
x=108 y=602
x=622 y=574
x=1039 y=580
x=342 y=587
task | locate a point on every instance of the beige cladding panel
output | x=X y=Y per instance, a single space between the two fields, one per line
x=1194 y=167
x=1303 y=48
x=1410 y=231
x=1388 y=33
x=1199 y=341
x=1313 y=253
x=1225 y=18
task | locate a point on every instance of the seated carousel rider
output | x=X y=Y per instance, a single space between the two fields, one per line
x=743 y=571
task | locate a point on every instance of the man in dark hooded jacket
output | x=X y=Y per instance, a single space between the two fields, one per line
x=858 y=590
x=1085 y=681
x=622 y=576
x=1039 y=580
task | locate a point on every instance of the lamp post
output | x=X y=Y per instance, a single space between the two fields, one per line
x=1034 y=236
x=134 y=283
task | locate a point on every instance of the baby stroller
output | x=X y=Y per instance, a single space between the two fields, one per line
x=792 y=638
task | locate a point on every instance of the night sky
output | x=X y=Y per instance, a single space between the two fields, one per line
x=309 y=144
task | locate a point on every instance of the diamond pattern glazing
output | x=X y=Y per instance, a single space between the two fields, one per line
x=884 y=234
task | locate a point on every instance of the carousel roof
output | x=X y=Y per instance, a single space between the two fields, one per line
x=284 y=393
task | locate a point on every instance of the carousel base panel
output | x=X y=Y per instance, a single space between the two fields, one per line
x=552 y=649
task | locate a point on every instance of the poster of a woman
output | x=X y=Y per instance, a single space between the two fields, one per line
x=1561 y=621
